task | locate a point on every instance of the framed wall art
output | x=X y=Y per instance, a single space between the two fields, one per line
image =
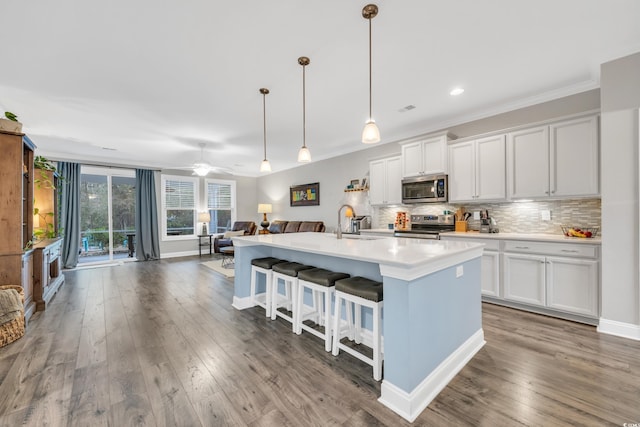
x=305 y=194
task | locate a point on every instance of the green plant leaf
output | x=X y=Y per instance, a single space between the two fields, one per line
x=9 y=115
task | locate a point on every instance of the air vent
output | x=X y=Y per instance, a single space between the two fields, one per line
x=407 y=108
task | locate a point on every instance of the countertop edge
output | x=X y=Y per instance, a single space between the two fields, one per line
x=522 y=236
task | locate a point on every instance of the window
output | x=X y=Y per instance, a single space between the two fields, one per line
x=179 y=206
x=221 y=204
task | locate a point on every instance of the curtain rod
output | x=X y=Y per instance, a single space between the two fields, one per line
x=106 y=165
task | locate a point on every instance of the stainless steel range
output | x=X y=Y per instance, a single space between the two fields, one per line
x=427 y=226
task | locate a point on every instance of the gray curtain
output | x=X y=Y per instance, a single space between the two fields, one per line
x=70 y=212
x=147 y=235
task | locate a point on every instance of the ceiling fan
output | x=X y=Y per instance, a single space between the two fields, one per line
x=202 y=167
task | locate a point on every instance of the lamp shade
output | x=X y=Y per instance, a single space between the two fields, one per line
x=204 y=217
x=264 y=208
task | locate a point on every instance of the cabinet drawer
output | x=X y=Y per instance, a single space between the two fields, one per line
x=489 y=244
x=560 y=249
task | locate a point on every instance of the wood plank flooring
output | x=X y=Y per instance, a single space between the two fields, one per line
x=158 y=344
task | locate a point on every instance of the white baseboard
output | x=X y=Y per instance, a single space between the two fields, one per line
x=410 y=405
x=178 y=254
x=620 y=329
x=241 y=303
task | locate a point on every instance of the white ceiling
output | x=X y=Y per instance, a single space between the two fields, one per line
x=144 y=82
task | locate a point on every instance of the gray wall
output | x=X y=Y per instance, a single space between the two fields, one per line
x=333 y=175
x=620 y=83
x=246 y=208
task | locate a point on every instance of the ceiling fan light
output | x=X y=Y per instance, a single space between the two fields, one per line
x=201 y=169
x=265 y=166
x=304 y=155
x=370 y=133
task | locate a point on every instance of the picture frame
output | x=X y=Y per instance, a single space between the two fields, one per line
x=355 y=183
x=364 y=183
x=305 y=194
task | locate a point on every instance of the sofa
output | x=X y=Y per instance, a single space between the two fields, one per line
x=280 y=226
x=239 y=228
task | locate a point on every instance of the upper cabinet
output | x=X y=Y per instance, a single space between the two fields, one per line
x=385 y=176
x=559 y=160
x=425 y=157
x=477 y=170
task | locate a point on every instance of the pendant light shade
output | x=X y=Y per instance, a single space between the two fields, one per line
x=371 y=133
x=304 y=155
x=265 y=166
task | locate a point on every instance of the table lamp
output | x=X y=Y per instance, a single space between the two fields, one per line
x=204 y=218
x=264 y=209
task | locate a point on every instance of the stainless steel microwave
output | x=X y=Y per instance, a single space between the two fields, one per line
x=425 y=189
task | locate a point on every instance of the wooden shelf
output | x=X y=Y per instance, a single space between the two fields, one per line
x=350 y=190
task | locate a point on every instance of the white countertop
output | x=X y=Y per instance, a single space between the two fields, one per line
x=388 y=231
x=523 y=236
x=394 y=252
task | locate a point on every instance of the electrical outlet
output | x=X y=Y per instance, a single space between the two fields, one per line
x=476 y=215
x=459 y=271
x=545 y=215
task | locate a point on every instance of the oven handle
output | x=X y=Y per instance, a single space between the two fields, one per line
x=425 y=236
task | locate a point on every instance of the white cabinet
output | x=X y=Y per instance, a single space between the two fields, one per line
x=572 y=285
x=490 y=274
x=524 y=278
x=535 y=274
x=477 y=170
x=574 y=158
x=556 y=160
x=385 y=176
x=490 y=278
x=425 y=157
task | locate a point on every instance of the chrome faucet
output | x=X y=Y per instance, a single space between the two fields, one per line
x=353 y=213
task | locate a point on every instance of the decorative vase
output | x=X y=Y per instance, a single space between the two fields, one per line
x=10 y=126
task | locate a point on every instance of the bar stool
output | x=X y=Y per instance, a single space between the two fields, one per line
x=288 y=272
x=321 y=282
x=361 y=292
x=263 y=266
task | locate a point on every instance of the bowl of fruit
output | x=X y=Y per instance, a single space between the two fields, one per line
x=580 y=232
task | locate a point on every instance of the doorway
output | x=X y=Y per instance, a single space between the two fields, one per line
x=107 y=215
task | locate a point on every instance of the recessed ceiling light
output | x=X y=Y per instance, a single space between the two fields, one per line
x=456 y=91
x=407 y=108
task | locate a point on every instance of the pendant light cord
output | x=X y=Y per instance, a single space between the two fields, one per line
x=264 y=121
x=370 y=84
x=304 y=108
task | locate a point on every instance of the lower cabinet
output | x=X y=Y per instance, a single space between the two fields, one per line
x=555 y=278
x=27 y=284
x=535 y=275
x=47 y=271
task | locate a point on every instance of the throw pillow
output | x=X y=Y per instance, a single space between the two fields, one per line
x=228 y=234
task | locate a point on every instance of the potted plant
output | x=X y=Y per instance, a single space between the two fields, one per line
x=11 y=123
x=43 y=203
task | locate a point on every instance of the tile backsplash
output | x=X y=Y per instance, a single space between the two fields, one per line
x=512 y=217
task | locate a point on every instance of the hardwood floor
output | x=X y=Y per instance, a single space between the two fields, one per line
x=158 y=344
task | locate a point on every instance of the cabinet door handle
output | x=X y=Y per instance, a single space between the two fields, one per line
x=522 y=247
x=546 y=192
x=569 y=251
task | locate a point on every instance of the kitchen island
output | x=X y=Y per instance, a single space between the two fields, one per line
x=432 y=323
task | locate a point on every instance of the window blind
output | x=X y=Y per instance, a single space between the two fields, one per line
x=179 y=194
x=218 y=196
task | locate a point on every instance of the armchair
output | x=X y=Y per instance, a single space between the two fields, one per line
x=220 y=241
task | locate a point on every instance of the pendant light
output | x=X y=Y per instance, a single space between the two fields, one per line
x=265 y=166
x=304 y=156
x=370 y=134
